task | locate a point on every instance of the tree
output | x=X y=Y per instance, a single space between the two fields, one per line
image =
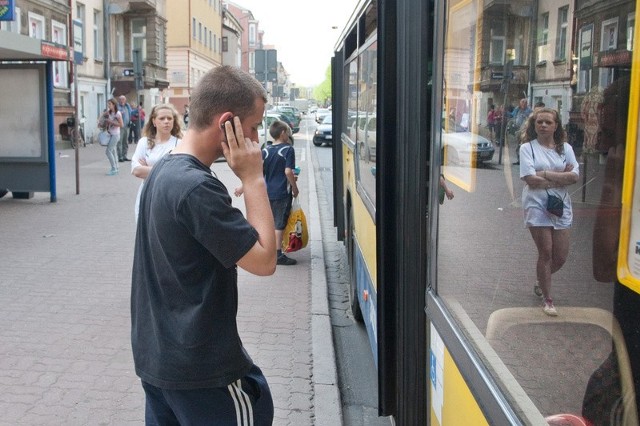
x=322 y=92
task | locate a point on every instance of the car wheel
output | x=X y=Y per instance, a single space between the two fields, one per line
x=317 y=143
x=354 y=303
x=3 y=192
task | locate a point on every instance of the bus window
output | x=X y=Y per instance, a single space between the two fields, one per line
x=365 y=136
x=538 y=294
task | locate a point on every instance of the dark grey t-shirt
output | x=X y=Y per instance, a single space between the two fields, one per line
x=184 y=295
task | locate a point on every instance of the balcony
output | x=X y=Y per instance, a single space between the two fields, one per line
x=138 y=6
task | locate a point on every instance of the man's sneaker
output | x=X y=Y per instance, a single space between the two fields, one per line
x=548 y=308
x=537 y=290
x=284 y=260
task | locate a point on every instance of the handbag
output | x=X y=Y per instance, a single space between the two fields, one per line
x=103 y=138
x=296 y=232
x=555 y=205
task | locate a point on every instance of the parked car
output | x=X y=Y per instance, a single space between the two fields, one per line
x=466 y=148
x=264 y=128
x=291 y=109
x=366 y=136
x=324 y=132
x=288 y=117
x=321 y=113
x=290 y=112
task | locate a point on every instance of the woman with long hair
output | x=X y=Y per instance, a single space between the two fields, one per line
x=111 y=121
x=548 y=166
x=161 y=134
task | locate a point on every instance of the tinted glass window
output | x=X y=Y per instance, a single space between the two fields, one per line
x=513 y=71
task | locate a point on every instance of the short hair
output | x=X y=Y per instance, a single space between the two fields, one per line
x=224 y=88
x=277 y=127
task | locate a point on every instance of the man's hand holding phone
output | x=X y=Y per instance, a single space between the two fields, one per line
x=243 y=155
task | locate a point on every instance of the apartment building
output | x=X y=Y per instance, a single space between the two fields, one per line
x=194 y=45
x=136 y=27
x=231 y=39
x=251 y=35
x=107 y=32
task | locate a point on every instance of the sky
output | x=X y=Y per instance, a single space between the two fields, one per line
x=301 y=31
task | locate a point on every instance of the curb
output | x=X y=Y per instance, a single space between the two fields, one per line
x=327 y=404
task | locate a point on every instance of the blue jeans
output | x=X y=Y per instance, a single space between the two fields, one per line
x=111 y=151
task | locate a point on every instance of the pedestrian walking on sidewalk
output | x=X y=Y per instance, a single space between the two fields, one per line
x=161 y=135
x=279 y=165
x=111 y=121
x=548 y=166
x=123 y=143
x=189 y=239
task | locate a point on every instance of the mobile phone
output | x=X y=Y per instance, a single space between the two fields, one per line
x=224 y=128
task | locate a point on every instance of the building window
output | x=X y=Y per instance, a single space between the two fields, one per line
x=225 y=44
x=139 y=37
x=12 y=26
x=544 y=29
x=543 y=38
x=585 y=58
x=162 y=45
x=59 y=36
x=36 y=26
x=497 y=46
x=631 y=22
x=215 y=43
x=119 y=54
x=252 y=62
x=200 y=32
x=561 y=39
x=81 y=16
x=252 y=34
x=193 y=28
x=609 y=39
x=97 y=34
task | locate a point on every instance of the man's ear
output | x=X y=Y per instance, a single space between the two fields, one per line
x=224 y=117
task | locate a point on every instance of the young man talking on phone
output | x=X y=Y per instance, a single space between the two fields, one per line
x=184 y=299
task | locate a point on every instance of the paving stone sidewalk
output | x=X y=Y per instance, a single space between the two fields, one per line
x=65 y=269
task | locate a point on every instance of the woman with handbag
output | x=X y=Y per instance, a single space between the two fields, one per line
x=110 y=122
x=548 y=166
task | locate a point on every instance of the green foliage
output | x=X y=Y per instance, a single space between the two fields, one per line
x=322 y=92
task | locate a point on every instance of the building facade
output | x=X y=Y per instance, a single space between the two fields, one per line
x=251 y=35
x=194 y=45
x=136 y=28
x=231 y=39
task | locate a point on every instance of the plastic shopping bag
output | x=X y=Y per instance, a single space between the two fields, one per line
x=296 y=233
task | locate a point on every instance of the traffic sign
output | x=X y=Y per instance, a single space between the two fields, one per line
x=128 y=72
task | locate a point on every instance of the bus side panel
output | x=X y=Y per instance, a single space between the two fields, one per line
x=364 y=247
x=368 y=301
x=451 y=401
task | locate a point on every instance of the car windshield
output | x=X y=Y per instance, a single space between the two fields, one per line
x=327 y=119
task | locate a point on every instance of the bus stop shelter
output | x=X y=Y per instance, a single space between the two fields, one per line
x=27 y=145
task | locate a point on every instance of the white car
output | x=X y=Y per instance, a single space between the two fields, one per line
x=466 y=148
